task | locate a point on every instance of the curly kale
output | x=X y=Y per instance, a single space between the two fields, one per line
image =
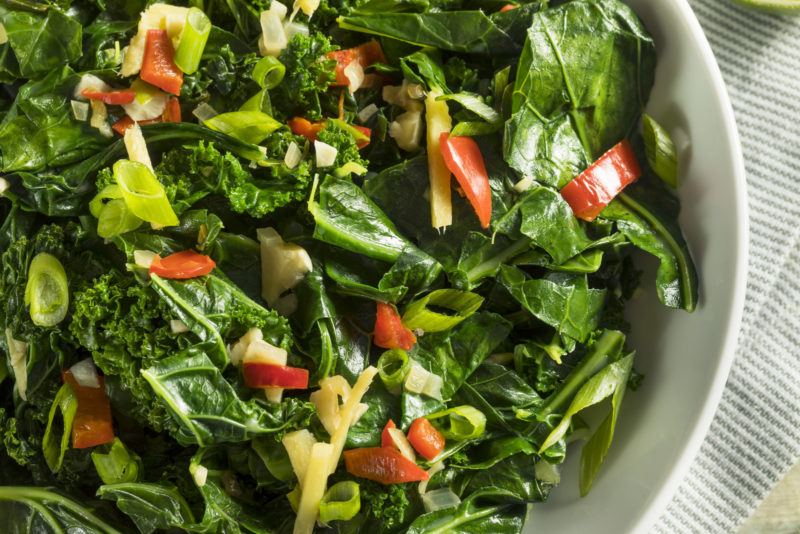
x=344 y=142
x=389 y=507
x=309 y=74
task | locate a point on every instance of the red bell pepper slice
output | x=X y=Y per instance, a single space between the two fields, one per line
x=590 y=192
x=383 y=464
x=122 y=124
x=366 y=54
x=361 y=143
x=265 y=375
x=182 y=265
x=386 y=438
x=172 y=113
x=464 y=159
x=390 y=333
x=158 y=65
x=425 y=438
x=115 y=98
x=508 y=7
x=92 y=425
x=306 y=128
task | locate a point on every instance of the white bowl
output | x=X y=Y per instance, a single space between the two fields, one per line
x=685 y=357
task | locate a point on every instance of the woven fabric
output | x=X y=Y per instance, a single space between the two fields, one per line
x=755 y=437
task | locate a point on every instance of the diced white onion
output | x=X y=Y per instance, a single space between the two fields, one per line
x=273 y=395
x=240 y=347
x=149 y=103
x=3 y=34
x=326 y=154
x=283 y=265
x=92 y=83
x=204 y=112
x=433 y=386
x=365 y=114
x=199 y=474
x=293 y=28
x=279 y=9
x=293 y=156
x=547 y=472
x=18 y=355
x=137 y=146
x=416 y=379
x=306 y=6
x=259 y=351
x=99 y=118
x=286 y=305
x=440 y=499
x=80 y=110
x=177 y=326
x=359 y=412
x=435 y=468
x=273 y=37
x=354 y=73
x=406 y=95
x=143 y=258
x=401 y=442
x=85 y=374
x=3 y=185
x=524 y=184
x=406 y=130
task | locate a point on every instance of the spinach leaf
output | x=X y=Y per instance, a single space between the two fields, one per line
x=473 y=517
x=150 y=506
x=574 y=92
x=565 y=302
x=44 y=510
x=207 y=407
x=469 y=32
x=42 y=42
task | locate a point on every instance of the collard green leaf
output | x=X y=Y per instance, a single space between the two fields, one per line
x=150 y=506
x=208 y=409
x=565 y=302
x=471 y=517
x=512 y=478
x=42 y=42
x=48 y=511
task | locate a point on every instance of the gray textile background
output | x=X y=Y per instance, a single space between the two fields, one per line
x=755 y=436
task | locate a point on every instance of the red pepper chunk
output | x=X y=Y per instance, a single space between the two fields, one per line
x=182 y=265
x=590 y=192
x=386 y=438
x=508 y=7
x=264 y=375
x=389 y=330
x=361 y=143
x=172 y=113
x=383 y=465
x=464 y=159
x=366 y=54
x=158 y=65
x=92 y=425
x=425 y=438
x=306 y=128
x=116 y=97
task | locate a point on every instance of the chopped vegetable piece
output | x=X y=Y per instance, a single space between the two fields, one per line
x=248 y=126
x=283 y=265
x=508 y=7
x=465 y=422
x=306 y=128
x=382 y=464
x=325 y=153
x=464 y=159
x=47 y=290
x=92 y=425
x=313 y=488
x=341 y=502
x=149 y=104
x=182 y=265
x=136 y=146
x=438 y=122
x=662 y=156
x=400 y=442
x=365 y=55
x=393 y=366
x=158 y=66
x=143 y=193
x=463 y=304
x=386 y=437
x=115 y=97
x=390 y=333
x=193 y=40
x=18 y=358
x=590 y=192
x=268 y=72
x=425 y=438
x=172 y=113
x=260 y=375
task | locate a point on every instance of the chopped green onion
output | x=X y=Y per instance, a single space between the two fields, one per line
x=465 y=422
x=341 y=502
x=258 y=102
x=419 y=315
x=248 y=126
x=194 y=36
x=660 y=151
x=143 y=193
x=268 y=72
x=475 y=128
x=475 y=104
x=117 y=466
x=56 y=436
x=47 y=290
x=109 y=192
x=116 y=219
x=393 y=366
x=351 y=167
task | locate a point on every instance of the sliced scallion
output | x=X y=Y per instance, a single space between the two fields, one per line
x=351 y=167
x=258 y=102
x=341 y=502
x=420 y=315
x=143 y=193
x=109 y=192
x=194 y=36
x=393 y=366
x=248 y=126
x=268 y=72
x=464 y=422
x=116 y=219
x=660 y=151
x=47 y=290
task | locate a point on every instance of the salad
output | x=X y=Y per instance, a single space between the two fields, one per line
x=346 y=265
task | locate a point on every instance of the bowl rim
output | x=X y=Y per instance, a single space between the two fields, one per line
x=730 y=136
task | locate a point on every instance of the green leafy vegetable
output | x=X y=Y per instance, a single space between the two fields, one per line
x=660 y=151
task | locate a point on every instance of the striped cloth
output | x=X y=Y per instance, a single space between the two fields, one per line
x=755 y=436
